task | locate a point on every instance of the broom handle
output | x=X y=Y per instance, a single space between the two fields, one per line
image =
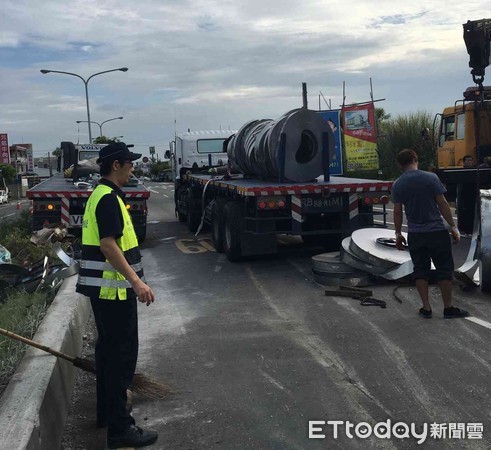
x=37 y=345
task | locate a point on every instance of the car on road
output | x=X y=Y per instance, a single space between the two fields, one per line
x=4 y=196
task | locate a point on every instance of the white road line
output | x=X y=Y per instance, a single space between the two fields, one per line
x=151 y=190
x=481 y=322
x=165 y=195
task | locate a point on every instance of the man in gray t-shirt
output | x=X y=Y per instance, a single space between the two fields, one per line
x=421 y=193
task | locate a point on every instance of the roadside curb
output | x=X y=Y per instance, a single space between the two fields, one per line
x=34 y=406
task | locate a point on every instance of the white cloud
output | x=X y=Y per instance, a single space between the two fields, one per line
x=218 y=63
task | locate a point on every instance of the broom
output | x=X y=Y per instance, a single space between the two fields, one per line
x=141 y=384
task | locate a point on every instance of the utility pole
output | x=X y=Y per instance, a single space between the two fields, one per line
x=49 y=165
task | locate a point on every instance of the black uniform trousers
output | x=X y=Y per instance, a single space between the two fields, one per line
x=116 y=353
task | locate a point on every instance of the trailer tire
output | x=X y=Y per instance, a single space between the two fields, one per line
x=193 y=217
x=217 y=225
x=233 y=223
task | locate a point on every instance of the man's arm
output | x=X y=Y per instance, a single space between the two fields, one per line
x=115 y=256
x=447 y=215
x=400 y=239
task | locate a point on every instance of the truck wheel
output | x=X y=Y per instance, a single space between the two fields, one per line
x=217 y=225
x=179 y=197
x=193 y=216
x=233 y=224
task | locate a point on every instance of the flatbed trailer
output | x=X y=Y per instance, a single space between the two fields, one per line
x=246 y=214
x=61 y=200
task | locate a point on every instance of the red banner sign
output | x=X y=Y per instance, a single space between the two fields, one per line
x=4 y=149
x=360 y=137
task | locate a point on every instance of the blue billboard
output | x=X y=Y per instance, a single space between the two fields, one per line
x=336 y=158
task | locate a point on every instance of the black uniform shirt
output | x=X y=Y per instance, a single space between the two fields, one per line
x=108 y=213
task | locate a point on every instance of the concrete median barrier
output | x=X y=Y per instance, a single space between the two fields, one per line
x=34 y=406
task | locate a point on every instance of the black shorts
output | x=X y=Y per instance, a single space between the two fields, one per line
x=433 y=246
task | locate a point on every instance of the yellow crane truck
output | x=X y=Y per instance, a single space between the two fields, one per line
x=463 y=145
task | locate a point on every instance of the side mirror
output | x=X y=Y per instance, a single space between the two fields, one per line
x=167 y=154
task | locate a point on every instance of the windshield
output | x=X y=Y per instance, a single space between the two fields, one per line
x=210 y=145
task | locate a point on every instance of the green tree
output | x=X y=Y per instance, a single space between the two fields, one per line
x=105 y=140
x=381 y=115
x=101 y=140
x=158 y=167
x=402 y=132
x=8 y=173
x=56 y=152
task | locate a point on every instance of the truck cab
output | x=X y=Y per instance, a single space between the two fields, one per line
x=457 y=133
x=465 y=131
x=196 y=150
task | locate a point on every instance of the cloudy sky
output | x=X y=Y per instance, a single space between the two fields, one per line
x=206 y=65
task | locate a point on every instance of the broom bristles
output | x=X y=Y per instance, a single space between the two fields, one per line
x=87 y=365
x=149 y=387
x=141 y=384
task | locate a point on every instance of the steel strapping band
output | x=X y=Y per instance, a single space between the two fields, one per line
x=99 y=265
x=101 y=282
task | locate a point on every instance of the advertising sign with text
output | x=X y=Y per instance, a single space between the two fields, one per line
x=4 y=149
x=360 y=137
x=336 y=158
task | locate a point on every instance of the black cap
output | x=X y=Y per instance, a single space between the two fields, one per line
x=117 y=151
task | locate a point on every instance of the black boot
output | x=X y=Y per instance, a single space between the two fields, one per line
x=134 y=437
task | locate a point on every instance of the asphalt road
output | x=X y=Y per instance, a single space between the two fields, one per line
x=254 y=351
x=10 y=211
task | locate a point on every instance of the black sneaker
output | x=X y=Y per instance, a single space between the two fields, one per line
x=425 y=313
x=454 y=313
x=134 y=437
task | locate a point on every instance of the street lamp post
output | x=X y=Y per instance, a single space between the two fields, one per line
x=100 y=124
x=86 y=82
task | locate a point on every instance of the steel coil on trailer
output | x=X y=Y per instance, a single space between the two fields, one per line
x=257 y=147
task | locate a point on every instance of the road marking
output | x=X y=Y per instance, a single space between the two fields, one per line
x=195 y=245
x=165 y=195
x=155 y=192
x=481 y=322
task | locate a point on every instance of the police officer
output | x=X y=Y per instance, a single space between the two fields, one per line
x=111 y=275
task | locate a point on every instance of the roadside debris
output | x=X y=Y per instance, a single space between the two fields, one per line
x=5 y=257
x=364 y=295
x=49 y=234
x=43 y=274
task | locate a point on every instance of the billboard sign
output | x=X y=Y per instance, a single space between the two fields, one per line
x=30 y=158
x=360 y=137
x=336 y=157
x=4 y=149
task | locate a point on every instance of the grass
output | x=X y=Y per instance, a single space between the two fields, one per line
x=20 y=312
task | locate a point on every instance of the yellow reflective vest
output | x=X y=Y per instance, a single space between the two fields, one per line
x=97 y=277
